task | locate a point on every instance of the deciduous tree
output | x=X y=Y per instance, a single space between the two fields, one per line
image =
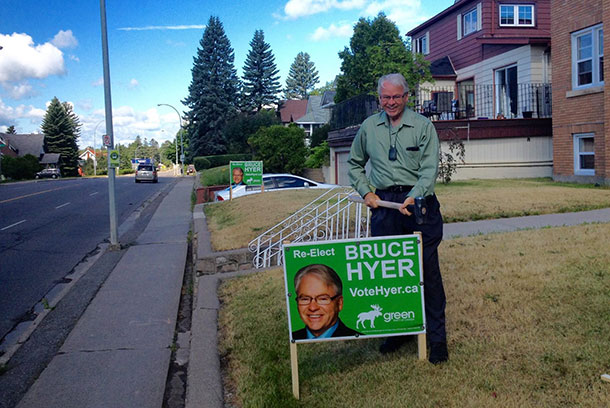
x=376 y=49
x=282 y=149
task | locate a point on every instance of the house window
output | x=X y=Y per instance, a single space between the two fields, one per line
x=516 y=15
x=469 y=22
x=588 y=57
x=422 y=44
x=584 y=154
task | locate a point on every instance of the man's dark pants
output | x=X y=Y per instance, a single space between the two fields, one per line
x=388 y=221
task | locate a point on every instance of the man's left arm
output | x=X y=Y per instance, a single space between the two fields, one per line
x=428 y=167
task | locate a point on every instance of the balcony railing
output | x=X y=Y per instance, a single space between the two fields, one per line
x=531 y=100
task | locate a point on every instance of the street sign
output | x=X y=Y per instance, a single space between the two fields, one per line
x=106 y=140
x=114 y=159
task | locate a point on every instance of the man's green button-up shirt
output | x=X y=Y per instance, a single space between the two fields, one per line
x=417 y=148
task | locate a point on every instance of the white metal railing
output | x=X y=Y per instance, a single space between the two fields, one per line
x=336 y=217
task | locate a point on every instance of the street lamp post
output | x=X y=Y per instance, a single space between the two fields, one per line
x=180 y=133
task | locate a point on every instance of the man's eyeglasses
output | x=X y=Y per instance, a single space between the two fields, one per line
x=320 y=300
x=387 y=98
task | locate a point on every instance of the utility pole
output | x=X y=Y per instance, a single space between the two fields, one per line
x=114 y=235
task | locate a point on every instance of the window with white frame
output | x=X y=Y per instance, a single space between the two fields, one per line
x=469 y=21
x=588 y=57
x=516 y=15
x=422 y=44
x=584 y=154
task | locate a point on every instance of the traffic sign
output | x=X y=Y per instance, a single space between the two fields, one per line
x=106 y=139
x=113 y=158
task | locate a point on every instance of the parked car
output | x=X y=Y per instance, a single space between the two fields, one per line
x=190 y=169
x=48 y=173
x=272 y=182
x=146 y=172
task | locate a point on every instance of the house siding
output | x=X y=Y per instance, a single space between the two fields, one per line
x=578 y=112
x=492 y=40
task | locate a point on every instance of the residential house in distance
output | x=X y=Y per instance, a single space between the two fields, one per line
x=500 y=51
x=291 y=110
x=581 y=98
x=318 y=112
x=491 y=62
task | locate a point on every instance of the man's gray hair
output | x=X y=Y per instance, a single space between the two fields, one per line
x=325 y=273
x=394 y=79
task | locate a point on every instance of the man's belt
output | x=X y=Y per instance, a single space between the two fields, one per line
x=398 y=189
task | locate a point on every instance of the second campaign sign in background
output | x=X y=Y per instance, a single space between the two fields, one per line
x=382 y=282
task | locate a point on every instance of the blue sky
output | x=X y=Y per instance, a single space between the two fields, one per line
x=53 y=48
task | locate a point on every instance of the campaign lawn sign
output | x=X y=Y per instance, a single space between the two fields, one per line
x=382 y=277
x=253 y=171
x=383 y=291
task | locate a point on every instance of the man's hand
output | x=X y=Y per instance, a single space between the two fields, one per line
x=370 y=200
x=403 y=207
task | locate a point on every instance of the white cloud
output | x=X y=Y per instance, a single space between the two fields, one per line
x=98 y=82
x=333 y=31
x=20 y=91
x=22 y=59
x=407 y=14
x=133 y=83
x=10 y=115
x=301 y=8
x=65 y=39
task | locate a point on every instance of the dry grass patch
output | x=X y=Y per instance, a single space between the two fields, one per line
x=233 y=224
x=528 y=320
x=472 y=200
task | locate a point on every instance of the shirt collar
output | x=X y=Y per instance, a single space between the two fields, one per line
x=405 y=120
x=326 y=335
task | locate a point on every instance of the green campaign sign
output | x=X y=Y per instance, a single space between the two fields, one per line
x=246 y=172
x=114 y=158
x=367 y=287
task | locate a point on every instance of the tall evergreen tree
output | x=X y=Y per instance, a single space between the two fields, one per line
x=261 y=79
x=61 y=128
x=302 y=77
x=213 y=91
x=376 y=49
x=11 y=130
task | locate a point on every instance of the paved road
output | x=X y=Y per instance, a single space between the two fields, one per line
x=47 y=227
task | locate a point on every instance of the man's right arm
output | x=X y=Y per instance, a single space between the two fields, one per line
x=356 y=162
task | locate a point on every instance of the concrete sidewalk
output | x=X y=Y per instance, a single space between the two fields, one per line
x=118 y=353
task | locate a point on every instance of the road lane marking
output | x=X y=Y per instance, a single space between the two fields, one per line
x=12 y=225
x=32 y=194
x=63 y=205
x=92 y=194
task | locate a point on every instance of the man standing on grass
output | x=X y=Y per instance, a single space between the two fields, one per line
x=403 y=149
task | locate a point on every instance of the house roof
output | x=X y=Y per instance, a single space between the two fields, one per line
x=50 y=158
x=315 y=112
x=448 y=10
x=442 y=67
x=292 y=109
x=328 y=99
x=26 y=144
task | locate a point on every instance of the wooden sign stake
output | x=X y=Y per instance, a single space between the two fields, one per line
x=294 y=365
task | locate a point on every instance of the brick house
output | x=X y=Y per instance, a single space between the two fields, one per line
x=581 y=99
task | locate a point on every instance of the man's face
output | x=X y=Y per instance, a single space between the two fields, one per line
x=318 y=318
x=393 y=100
x=238 y=176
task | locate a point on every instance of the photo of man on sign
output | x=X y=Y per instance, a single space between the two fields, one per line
x=319 y=300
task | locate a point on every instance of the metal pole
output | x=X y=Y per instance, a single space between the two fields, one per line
x=180 y=133
x=114 y=240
